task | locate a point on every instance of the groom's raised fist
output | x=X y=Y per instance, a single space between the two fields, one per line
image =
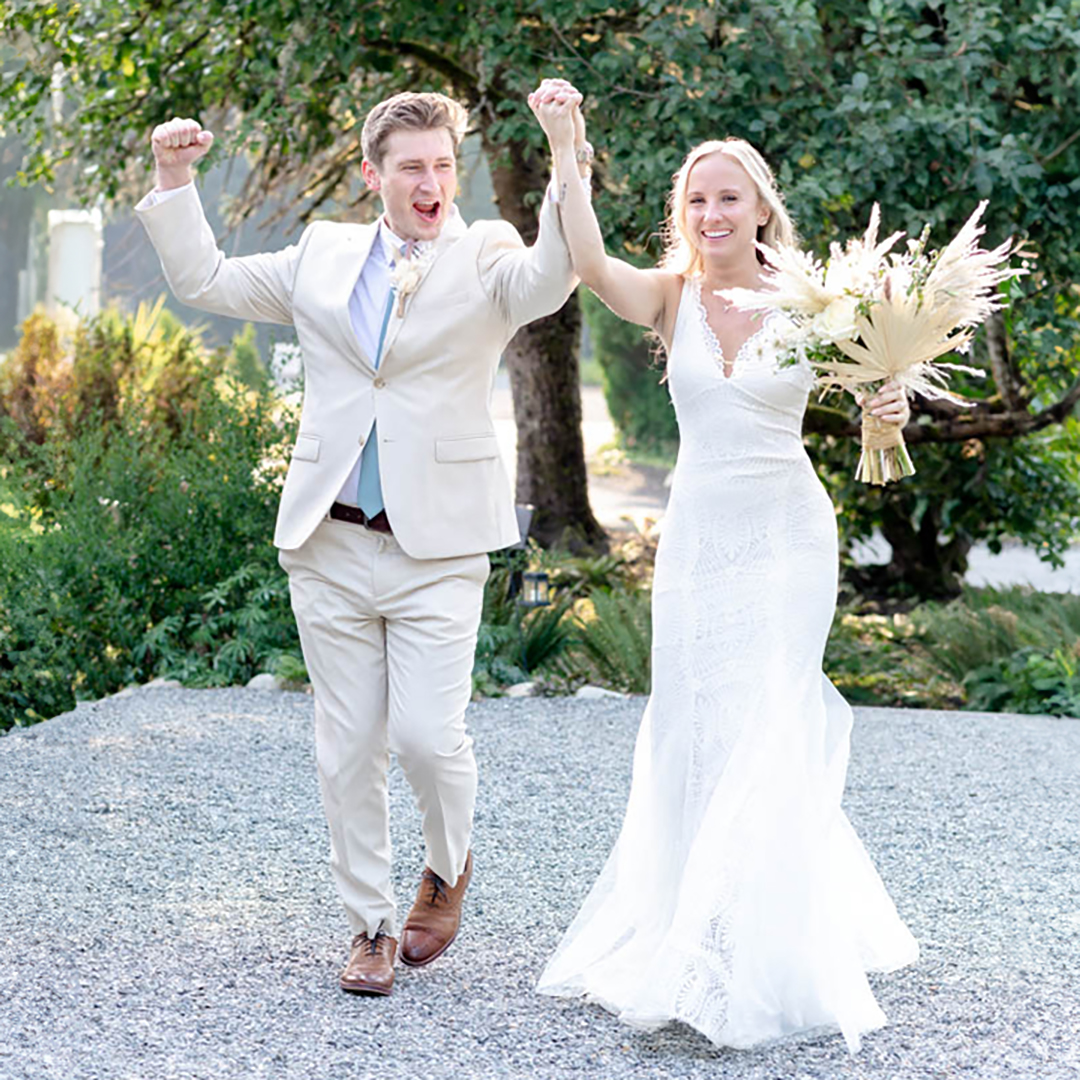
x=177 y=145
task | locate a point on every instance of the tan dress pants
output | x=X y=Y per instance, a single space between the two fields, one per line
x=389 y=642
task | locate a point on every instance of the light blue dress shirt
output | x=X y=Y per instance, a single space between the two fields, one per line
x=367 y=311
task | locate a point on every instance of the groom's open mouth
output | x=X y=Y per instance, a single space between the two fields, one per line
x=428 y=211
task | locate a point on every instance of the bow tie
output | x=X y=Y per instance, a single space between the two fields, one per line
x=397 y=249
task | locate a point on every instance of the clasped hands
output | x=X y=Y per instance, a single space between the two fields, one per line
x=556 y=104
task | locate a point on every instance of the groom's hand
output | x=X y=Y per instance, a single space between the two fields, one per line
x=177 y=145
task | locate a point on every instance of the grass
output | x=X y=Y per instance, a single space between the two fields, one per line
x=990 y=625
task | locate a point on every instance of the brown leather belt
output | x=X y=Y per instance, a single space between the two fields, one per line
x=355 y=516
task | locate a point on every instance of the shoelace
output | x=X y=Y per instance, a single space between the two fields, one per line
x=374 y=944
x=438 y=887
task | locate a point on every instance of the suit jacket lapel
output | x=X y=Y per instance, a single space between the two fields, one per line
x=452 y=231
x=344 y=269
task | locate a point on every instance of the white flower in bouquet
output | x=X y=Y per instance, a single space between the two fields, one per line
x=871 y=316
x=837 y=321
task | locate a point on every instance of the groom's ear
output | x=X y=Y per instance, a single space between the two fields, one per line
x=371 y=175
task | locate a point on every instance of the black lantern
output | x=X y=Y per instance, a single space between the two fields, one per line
x=535 y=589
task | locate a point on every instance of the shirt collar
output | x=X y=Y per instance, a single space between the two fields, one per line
x=394 y=246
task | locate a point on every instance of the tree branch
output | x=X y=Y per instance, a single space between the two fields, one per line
x=1060 y=149
x=1006 y=376
x=937 y=425
x=987 y=425
x=457 y=74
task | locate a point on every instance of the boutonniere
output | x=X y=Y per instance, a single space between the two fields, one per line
x=407 y=273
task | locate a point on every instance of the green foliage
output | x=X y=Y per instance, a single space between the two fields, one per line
x=243 y=626
x=639 y=403
x=152 y=481
x=34 y=650
x=291 y=669
x=615 y=640
x=924 y=106
x=1001 y=650
x=62 y=379
x=562 y=645
x=876 y=659
x=1030 y=681
x=247 y=365
x=986 y=626
x=515 y=643
x=1013 y=650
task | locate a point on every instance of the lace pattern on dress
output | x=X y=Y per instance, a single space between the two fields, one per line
x=750 y=351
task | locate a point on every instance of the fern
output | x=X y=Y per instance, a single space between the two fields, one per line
x=616 y=644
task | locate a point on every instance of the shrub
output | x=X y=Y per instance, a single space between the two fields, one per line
x=34 y=649
x=1008 y=650
x=1014 y=650
x=144 y=499
x=986 y=626
x=1029 y=681
x=876 y=659
x=639 y=403
x=243 y=626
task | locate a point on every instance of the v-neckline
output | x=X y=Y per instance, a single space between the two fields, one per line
x=714 y=342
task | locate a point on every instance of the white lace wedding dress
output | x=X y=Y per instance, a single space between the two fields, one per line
x=738 y=898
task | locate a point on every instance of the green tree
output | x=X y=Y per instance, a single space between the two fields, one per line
x=925 y=105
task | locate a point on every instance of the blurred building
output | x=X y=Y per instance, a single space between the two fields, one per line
x=87 y=259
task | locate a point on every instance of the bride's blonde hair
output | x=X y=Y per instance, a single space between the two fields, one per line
x=680 y=253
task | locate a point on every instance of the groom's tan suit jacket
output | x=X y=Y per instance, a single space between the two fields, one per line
x=444 y=485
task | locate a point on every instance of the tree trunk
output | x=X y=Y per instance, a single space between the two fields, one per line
x=542 y=360
x=920 y=565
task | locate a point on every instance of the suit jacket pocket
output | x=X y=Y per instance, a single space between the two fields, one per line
x=457 y=299
x=466 y=448
x=307 y=448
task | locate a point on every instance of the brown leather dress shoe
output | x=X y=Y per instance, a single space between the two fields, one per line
x=433 y=922
x=370 y=969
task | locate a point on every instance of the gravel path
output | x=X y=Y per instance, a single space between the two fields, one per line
x=165 y=910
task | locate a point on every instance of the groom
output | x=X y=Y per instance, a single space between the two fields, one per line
x=395 y=491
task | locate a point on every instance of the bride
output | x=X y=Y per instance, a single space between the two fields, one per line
x=738 y=898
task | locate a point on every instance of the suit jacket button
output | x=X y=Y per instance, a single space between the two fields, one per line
x=380 y=382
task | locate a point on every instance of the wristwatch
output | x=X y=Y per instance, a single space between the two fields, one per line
x=583 y=155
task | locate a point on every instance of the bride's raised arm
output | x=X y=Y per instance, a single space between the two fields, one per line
x=646 y=297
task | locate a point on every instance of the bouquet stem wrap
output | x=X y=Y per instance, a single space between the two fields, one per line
x=884 y=455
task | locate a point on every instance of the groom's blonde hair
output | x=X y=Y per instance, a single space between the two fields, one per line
x=681 y=254
x=411 y=112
